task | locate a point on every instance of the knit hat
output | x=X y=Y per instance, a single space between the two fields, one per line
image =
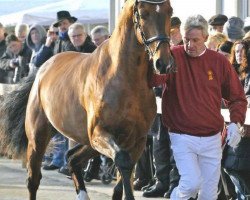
x=233 y=28
x=217 y=20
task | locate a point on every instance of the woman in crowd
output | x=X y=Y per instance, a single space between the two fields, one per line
x=237 y=160
x=35 y=40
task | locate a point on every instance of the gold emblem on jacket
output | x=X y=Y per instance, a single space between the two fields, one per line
x=210 y=75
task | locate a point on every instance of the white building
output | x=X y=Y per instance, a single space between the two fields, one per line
x=185 y=8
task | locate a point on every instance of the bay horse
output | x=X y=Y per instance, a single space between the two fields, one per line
x=101 y=100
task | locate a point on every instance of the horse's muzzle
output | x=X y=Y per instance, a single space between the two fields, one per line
x=165 y=68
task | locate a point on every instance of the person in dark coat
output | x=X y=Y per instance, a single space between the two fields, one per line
x=62 y=44
x=14 y=62
x=80 y=39
x=64 y=20
x=217 y=22
x=81 y=42
x=35 y=41
x=2 y=40
x=237 y=160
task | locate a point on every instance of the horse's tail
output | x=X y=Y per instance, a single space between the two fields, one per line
x=13 y=139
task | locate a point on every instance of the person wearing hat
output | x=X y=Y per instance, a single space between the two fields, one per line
x=217 y=22
x=62 y=44
x=175 y=32
x=64 y=20
x=233 y=29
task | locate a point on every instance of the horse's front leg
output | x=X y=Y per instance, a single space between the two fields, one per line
x=77 y=157
x=104 y=142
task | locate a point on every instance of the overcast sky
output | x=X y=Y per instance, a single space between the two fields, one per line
x=10 y=6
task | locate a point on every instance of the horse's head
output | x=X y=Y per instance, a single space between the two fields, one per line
x=152 y=24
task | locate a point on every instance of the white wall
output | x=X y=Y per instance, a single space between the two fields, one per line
x=185 y=8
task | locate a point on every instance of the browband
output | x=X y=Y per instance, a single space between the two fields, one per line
x=152 y=1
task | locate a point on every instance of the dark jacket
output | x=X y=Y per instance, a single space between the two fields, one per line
x=2 y=47
x=7 y=74
x=35 y=47
x=87 y=47
x=62 y=45
x=239 y=158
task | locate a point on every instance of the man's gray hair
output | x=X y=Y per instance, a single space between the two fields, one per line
x=102 y=30
x=76 y=26
x=196 y=21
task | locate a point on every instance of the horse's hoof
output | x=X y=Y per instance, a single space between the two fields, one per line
x=82 y=195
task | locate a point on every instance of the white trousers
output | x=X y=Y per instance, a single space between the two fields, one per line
x=198 y=160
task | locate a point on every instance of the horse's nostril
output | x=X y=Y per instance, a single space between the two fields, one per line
x=158 y=64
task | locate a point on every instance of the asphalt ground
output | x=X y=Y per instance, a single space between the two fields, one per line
x=53 y=186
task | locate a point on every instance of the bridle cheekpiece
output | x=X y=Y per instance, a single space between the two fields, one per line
x=146 y=42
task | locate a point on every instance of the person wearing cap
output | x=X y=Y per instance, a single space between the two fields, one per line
x=175 y=32
x=233 y=29
x=191 y=109
x=62 y=44
x=64 y=20
x=217 y=22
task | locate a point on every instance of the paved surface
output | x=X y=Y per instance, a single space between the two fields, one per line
x=54 y=186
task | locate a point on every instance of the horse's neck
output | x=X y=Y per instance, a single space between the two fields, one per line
x=127 y=53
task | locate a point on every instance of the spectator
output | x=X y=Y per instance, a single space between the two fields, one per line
x=215 y=40
x=99 y=34
x=35 y=40
x=62 y=44
x=161 y=156
x=225 y=49
x=81 y=43
x=14 y=62
x=2 y=50
x=47 y=49
x=236 y=57
x=175 y=32
x=233 y=29
x=191 y=108
x=217 y=22
x=21 y=31
x=80 y=39
x=2 y=40
x=64 y=20
x=237 y=160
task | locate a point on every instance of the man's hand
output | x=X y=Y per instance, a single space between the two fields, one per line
x=14 y=63
x=233 y=135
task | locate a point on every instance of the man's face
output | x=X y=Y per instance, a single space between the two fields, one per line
x=35 y=36
x=97 y=38
x=77 y=37
x=175 y=36
x=64 y=25
x=217 y=28
x=15 y=47
x=194 y=41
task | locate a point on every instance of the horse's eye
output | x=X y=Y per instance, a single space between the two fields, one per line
x=144 y=15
